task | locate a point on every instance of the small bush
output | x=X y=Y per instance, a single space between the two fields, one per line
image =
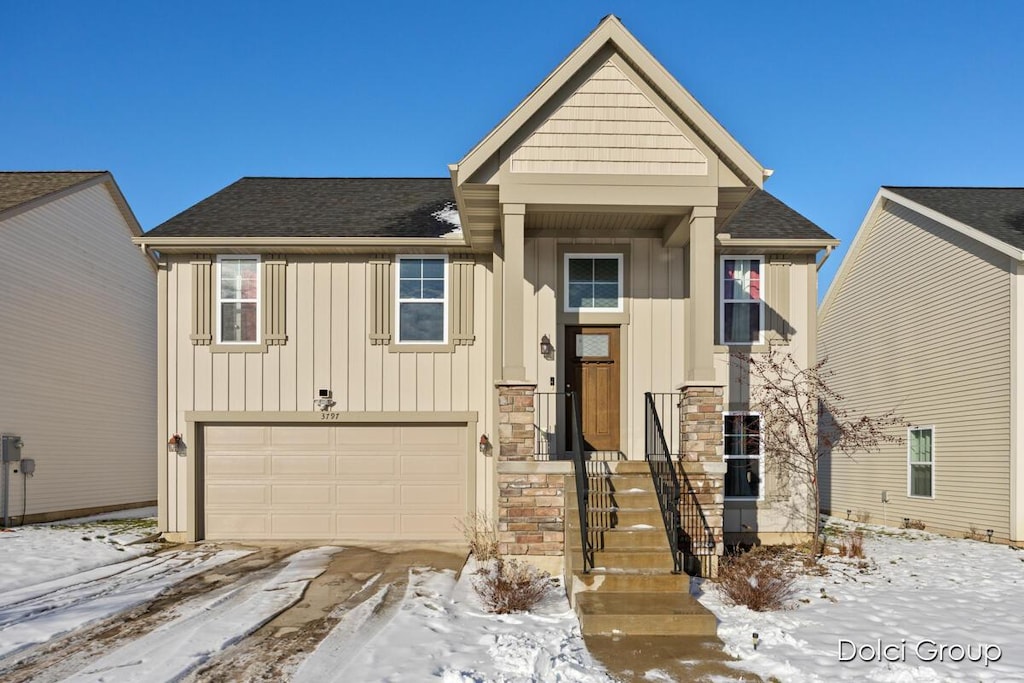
x=862 y=517
x=973 y=534
x=481 y=534
x=762 y=579
x=913 y=524
x=507 y=586
x=852 y=545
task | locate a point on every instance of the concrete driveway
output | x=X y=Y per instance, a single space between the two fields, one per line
x=251 y=618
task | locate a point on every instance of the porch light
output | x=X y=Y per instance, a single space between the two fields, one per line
x=546 y=349
x=176 y=444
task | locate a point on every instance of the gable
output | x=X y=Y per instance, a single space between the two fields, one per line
x=608 y=125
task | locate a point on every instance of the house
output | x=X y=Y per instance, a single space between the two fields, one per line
x=78 y=360
x=373 y=358
x=924 y=317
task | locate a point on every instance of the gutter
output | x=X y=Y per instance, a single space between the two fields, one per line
x=828 y=252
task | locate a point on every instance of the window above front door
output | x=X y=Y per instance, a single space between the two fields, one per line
x=593 y=283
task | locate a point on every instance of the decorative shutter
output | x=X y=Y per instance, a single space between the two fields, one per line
x=273 y=303
x=461 y=300
x=381 y=300
x=777 y=325
x=202 y=302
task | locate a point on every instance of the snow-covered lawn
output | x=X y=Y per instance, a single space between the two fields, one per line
x=441 y=632
x=918 y=608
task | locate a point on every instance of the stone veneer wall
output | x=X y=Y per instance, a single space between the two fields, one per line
x=531 y=495
x=700 y=427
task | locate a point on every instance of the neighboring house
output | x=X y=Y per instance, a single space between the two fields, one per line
x=372 y=358
x=77 y=348
x=925 y=317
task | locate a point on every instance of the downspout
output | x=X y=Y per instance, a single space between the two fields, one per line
x=828 y=252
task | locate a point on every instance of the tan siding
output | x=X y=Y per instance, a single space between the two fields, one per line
x=78 y=354
x=608 y=126
x=328 y=346
x=922 y=325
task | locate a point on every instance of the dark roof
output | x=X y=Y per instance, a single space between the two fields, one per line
x=997 y=211
x=18 y=187
x=318 y=207
x=764 y=216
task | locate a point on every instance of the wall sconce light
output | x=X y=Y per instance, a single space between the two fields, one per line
x=485 y=444
x=546 y=349
x=176 y=444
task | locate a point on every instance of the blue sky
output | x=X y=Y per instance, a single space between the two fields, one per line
x=178 y=99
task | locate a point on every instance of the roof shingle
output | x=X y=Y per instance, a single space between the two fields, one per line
x=18 y=187
x=764 y=216
x=996 y=211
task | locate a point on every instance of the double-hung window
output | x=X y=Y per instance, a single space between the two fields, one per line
x=238 y=305
x=593 y=283
x=422 y=294
x=742 y=309
x=920 y=462
x=743 y=459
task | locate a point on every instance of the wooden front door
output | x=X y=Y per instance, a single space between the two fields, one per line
x=592 y=355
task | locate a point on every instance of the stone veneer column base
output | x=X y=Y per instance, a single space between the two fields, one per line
x=531 y=495
x=700 y=417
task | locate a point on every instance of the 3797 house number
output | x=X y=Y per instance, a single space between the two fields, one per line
x=330 y=416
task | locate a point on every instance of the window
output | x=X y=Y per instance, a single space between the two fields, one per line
x=593 y=283
x=920 y=463
x=238 y=307
x=742 y=455
x=422 y=289
x=742 y=307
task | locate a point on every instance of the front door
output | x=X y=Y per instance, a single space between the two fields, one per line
x=593 y=372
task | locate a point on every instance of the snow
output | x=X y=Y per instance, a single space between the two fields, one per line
x=440 y=631
x=911 y=590
x=207 y=625
x=38 y=553
x=450 y=214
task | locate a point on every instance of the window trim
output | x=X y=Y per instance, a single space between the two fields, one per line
x=258 y=301
x=760 y=258
x=618 y=256
x=445 y=334
x=760 y=455
x=931 y=462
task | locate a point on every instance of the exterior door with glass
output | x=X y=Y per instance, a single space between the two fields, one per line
x=593 y=372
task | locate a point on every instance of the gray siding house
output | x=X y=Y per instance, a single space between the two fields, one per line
x=925 y=317
x=77 y=348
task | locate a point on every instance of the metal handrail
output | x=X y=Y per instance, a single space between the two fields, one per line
x=582 y=483
x=692 y=538
x=666 y=482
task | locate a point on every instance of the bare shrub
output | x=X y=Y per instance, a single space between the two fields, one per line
x=507 y=586
x=913 y=524
x=862 y=517
x=761 y=579
x=852 y=545
x=973 y=534
x=481 y=534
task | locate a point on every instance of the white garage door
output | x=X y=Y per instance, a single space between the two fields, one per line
x=358 y=482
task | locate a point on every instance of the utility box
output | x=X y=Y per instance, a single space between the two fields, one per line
x=28 y=467
x=10 y=448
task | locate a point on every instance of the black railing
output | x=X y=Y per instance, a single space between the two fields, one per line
x=549 y=433
x=689 y=534
x=582 y=482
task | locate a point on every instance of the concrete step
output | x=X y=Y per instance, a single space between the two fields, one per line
x=643 y=614
x=627 y=539
x=618 y=518
x=626 y=499
x=636 y=558
x=638 y=581
x=615 y=482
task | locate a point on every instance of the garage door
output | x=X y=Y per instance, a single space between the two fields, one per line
x=359 y=482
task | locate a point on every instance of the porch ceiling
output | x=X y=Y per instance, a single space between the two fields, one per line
x=596 y=221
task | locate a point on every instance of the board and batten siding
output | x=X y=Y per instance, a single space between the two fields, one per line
x=608 y=125
x=328 y=324
x=78 y=312
x=922 y=325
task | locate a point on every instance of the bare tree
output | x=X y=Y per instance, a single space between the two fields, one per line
x=803 y=419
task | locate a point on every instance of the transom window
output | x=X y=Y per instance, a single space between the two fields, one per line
x=238 y=306
x=593 y=282
x=743 y=455
x=742 y=309
x=920 y=461
x=422 y=289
